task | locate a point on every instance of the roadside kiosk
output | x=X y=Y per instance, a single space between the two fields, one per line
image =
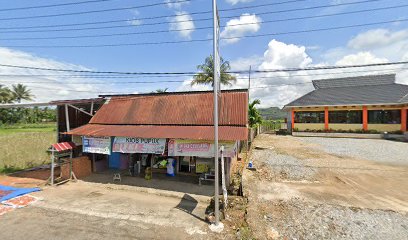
x=59 y=154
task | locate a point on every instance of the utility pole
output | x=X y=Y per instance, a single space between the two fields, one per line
x=216 y=86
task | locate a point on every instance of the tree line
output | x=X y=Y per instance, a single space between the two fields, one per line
x=16 y=94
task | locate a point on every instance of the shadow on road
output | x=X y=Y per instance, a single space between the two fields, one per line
x=187 y=205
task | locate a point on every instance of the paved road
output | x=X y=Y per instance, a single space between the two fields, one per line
x=94 y=211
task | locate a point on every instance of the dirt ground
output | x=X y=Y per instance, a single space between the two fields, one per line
x=85 y=210
x=302 y=191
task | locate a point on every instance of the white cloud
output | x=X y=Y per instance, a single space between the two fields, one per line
x=360 y=58
x=177 y=4
x=182 y=23
x=186 y=86
x=244 y=63
x=238 y=27
x=233 y=2
x=61 y=85
x=135 y=21
x=377 y=38
x=282 y=55
x=285 y=87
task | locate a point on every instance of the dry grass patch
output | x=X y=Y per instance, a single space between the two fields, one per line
x=24 y=150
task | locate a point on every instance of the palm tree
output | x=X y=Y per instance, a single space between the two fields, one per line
x=160 y=90
x=254 y=116
x=21 y=92
x=5 y=95
x=207 y=73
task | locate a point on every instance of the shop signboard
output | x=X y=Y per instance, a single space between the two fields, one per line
x=199 y=148
x=139 y=145
x=101 y=145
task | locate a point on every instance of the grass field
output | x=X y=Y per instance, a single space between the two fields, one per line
x=25 y=146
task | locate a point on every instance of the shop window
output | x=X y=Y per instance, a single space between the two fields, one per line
x=384 y=116
x=347 y=117
x=309 y=117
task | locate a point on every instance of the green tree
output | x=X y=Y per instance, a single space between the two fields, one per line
x=161 y=90
x=207 y=73
x=21 y=92
x=5 y=95
x=253 y=113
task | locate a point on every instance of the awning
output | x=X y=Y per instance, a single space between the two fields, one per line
x=153 y=131
x=64 y=146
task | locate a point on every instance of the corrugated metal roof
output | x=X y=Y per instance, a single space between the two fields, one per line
x=175 y=109
x=368 y=80
x=63 y=146
x=149 y=131
x=356 y=95
x=404 y=99
x=76 y=101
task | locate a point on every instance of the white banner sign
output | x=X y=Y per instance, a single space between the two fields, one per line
x=100 y=145
x=199 y=148
x=139 y=145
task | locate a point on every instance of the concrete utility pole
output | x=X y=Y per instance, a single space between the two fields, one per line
x=216 y=85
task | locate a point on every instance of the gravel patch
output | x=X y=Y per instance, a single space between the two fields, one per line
x=383 y=151
x=284 y=167
x=299 y=220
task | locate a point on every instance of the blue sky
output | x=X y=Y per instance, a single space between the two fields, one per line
x=376 y=43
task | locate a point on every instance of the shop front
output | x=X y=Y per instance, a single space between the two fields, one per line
x=136 y=156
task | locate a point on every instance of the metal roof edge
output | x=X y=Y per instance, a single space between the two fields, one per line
x=172 y=93
x=341 y=105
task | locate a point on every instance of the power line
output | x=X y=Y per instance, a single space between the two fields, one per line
x=92 y=11
x=192 y=73
x=382 y=71
x=170 y=76
x=200 y=28
x=167 y=16
x=206 y=39
x=327 y=67
x=53 y=5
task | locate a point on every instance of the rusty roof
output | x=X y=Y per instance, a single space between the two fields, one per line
x=154 y=131
x=181 y=108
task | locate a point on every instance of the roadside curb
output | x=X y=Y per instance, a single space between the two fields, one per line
x=163 y=193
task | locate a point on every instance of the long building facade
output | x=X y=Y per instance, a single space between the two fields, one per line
x=373 y=103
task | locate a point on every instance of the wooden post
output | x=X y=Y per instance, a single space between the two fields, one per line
x=93 y=163
x=92 y=108
x=70 y=166
x=52 y=167
x=326 y=118
x=67 y=118
x=293 y=118
x=57 y=116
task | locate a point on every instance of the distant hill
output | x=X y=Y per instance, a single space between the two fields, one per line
x=272 y=113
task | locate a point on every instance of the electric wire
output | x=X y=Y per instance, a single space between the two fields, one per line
x=199 y=28
x=169 y=16
x=206 y=39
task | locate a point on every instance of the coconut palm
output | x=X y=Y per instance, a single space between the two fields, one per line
x=207 y=73
x=161 y=90
x=254 y=116
x=5 y=95
x=21 y=92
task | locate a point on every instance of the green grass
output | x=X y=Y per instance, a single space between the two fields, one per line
x=25 y=146
x=25 y=128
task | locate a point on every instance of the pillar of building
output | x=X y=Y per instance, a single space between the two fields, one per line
x=404 y=119
x=293 y=118
x=326 y=118
x=365 y=118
